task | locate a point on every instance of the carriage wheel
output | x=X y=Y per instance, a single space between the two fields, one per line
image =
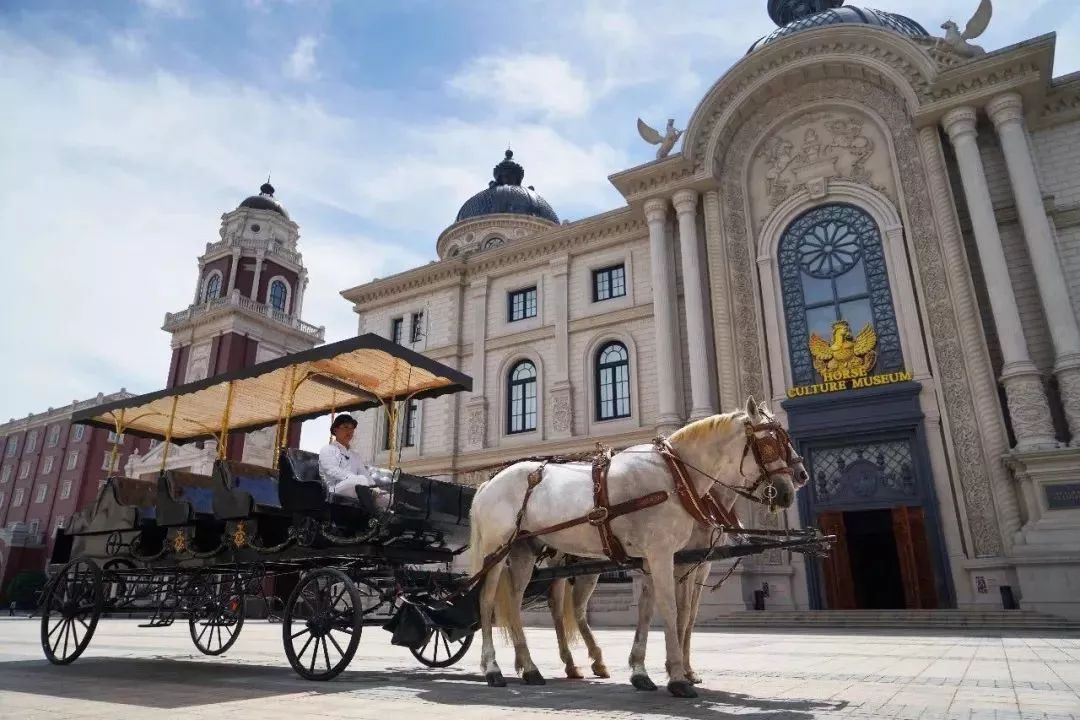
x=321 y=625
x=216 y=622
x=439 y=651
x=70 y=611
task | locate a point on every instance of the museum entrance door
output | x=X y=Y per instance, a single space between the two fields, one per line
x=881 y=560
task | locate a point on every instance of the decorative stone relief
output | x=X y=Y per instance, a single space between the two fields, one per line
x=561 y=411
x=812 y=149
x=1069 y=389
x=973 y=468
x=198 y=362
x=1028 y=407
x=475 y=424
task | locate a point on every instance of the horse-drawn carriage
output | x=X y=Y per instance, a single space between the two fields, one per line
x=197 y=547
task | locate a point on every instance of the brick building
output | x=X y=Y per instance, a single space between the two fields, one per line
x=50 y=469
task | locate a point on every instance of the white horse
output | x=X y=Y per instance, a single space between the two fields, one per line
x=568 y=603
x=713 y=449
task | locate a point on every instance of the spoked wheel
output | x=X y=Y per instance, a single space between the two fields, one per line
x=70 y=611
x=215 y=622
x=321 y=625
x=439 y=651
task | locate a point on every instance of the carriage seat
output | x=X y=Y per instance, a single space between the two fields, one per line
x=301 y=488
x=122 y=504
x=440 y=502
x=243 y=489
x=183 y=497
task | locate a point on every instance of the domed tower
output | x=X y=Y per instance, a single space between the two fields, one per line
x=246 y=309
x=794 y=16
x=503 y=212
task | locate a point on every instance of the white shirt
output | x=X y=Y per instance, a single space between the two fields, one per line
x=338 y=463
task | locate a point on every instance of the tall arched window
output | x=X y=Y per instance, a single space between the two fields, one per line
x=213 y=287
x=832 y=267
x=612 y=382
x=521 y=398
x=279 y=295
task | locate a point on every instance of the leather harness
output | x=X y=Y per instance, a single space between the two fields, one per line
x=705 y=510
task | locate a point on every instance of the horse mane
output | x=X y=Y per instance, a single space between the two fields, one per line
x=706 y=426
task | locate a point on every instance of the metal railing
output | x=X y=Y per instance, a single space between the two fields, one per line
x=236 y=300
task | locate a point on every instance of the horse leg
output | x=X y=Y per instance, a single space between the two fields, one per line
x=639 y=676
x=584 y=586
x=662 y=566
x=519 y=570
x=488 y=593
x=557 y=601
x=685 y=580
x=700 y=576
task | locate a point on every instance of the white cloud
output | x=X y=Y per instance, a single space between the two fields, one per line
x=529 y=83
x=171 y=8
x=301 y=64
x=112 y=185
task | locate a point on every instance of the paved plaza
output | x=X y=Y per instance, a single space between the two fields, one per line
x=131 y=673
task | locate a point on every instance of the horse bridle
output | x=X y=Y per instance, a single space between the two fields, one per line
x=774 y=445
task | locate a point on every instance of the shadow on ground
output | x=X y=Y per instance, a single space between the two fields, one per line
x=171 y=684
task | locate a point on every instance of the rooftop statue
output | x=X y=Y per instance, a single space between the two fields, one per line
x=653 y=137
x=976 y=26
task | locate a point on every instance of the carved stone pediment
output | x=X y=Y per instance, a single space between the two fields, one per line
x=813 y=148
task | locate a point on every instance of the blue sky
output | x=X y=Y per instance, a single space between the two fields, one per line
x=129 y=126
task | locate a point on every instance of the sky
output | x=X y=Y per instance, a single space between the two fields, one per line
x=127 y=127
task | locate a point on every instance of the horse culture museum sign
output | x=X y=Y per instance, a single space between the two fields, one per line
x=846 y=362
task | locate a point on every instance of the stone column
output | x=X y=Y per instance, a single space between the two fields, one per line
x=686 y=208
x=232 y=270
x=298 y=306
x=258 y=275
x=663 y=280
x=727 y=366
x=476 y=406
x=1007 y=112
x=199 y=283
x=1028 y=407
x=561 y=396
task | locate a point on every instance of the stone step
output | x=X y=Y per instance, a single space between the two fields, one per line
x=899 y=619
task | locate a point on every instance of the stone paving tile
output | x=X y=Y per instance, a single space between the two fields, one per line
x=129 y=672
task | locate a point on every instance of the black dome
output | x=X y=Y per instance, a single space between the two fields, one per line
x=796 y=15
x=265 y=201
x=505 y=194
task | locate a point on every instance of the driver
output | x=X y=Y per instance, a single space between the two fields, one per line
x=342 y=469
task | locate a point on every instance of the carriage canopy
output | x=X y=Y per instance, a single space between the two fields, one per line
x=355 y=374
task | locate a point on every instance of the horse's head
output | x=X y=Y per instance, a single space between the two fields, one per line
x=779 y=468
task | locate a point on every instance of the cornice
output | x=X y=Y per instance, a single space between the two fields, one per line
x=640 y=183
x=616 y=224
x=60 y=413
x=469 y=461
x=1062 y=103
x=617 y=317
x=528 y=337
x=423 y=280
x=1025 y=68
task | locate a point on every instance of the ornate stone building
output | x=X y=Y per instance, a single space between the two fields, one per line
x=849 y=168
x=246 y=309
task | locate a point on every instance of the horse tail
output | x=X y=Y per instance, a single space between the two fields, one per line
x=476 y=554
x=504 y=603
x=569 y=615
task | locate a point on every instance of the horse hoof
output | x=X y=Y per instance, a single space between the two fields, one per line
x=642 y=682
x=572 y=673
x=533 y=677
x=681 y=689
x=495 y=679
x=600 y=670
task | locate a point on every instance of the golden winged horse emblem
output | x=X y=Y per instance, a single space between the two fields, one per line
x=846 y=356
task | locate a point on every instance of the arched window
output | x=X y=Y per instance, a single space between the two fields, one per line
x=832 y=267
x=612 y=382
x=521 y=396
x=213 y=287
x=279 y=295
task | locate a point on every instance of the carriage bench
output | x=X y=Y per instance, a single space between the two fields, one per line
x=242 y=490
x=184 y=497
x=122 y=504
